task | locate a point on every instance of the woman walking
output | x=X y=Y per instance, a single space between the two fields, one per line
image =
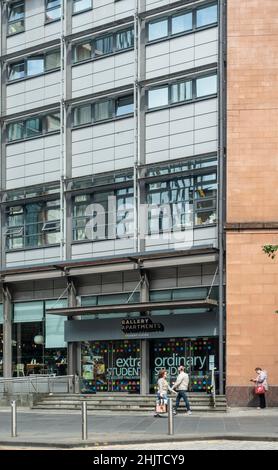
x=162 y=392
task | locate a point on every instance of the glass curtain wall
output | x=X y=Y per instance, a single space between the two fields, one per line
x=38 y=339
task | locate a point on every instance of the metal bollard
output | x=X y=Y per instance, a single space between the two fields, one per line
x=13 y=419
x=170 y=417
x=84 y=421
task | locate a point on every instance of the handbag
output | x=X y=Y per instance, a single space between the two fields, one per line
x=259 y=389
x=160 y=406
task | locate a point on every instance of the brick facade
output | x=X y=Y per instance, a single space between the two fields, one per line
x=252 y=195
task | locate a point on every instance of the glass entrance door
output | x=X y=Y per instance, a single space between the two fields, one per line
x=111 y=366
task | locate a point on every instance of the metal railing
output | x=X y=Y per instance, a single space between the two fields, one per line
x=37 y=383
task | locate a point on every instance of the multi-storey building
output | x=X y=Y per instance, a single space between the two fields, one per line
x=112 y=189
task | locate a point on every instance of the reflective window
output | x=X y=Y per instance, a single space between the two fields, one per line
x=102 y=110
x=15 y=131
x=82 y=115
x=124 y=39
x=53 y=122
x=53 y=10
x=181 y=23
x=27 y=225
x=206 y=16
x=82 y=52
x=33 y=127
x=17 y=71
x=35 y=65
x=16 y=17
x=104 y=45
x=80 y=5
x=158 y=29
x=52 y=60
x=103 y=215
x=181 y=92
x=206 y=86
x=124 y=105
x=158 y=97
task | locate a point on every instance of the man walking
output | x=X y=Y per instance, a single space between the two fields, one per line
x=181 y=386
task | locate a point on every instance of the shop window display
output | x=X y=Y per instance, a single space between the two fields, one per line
x=197 y=355
x=111 y=367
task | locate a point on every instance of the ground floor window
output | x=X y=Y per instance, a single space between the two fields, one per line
x=111 y=366
x=114 y=366
x=197 y=355
x=1 y=350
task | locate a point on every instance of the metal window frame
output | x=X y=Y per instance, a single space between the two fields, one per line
x=10 y=5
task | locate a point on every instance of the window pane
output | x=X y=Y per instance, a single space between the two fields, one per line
x=16 y=27
x=35 y=66
x=102 y=110
x=124 y=39
x=181 y=23
x=158 y=97
x=53 y=14
x=52 y=122
x=181 y=92
x=206 y=86
x=52 y=60
x=33 y=127
x=82 y=52
x=158 y=29
x=15 y=131
x=16 y=71
x=207 y=16
x=53 y=3
x=80 y=5
x=124 y=105
x=82 y=115
x=104 y=45
x=16 y=11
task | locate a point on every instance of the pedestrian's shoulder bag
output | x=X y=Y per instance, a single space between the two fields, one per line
x=259 y=389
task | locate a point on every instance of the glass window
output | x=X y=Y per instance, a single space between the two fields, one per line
x=181 y=92
x=17 y=70
x=16 y=18
x=206 y=86
x=33 y=127
x=207 y=15
x=181 y=23
x=28 y=312
x=124 y=39
x=52 y=60
x=158 y=29
x=104 y=45
x=80 y=5
x=102 y=111
x=52 y=122
x=35 y=65
x=53 y=10
x=158 y=97
x=124 y=105
x=82 y=115
x=15 y=131
x=82 y=52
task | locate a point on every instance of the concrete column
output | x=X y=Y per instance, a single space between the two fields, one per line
x=74 y=349
x=7 y=333
x=144 y=343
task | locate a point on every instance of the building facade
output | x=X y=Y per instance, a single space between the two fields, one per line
x=113 y=189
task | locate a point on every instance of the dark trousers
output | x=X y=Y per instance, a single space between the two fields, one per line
x=182 y=394
x=262 y=400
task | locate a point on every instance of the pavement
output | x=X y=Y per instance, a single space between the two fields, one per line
x=58 y=429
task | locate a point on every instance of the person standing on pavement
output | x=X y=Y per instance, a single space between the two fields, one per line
x=181 y=387
x=261 y=379
x=162 y=389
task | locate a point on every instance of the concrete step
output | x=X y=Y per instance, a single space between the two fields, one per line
x=123 y=402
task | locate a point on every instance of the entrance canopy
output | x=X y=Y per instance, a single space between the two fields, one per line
x=134 y=307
